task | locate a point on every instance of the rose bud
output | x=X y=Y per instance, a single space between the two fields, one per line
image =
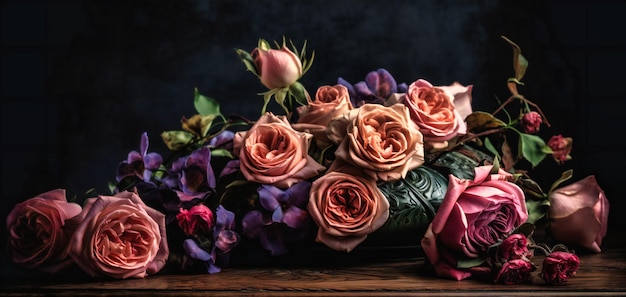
x=531 y=122
x=277 y=68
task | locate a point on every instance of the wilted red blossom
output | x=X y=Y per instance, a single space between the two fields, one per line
x=561 y=146
x=513 y=247
x=559 y=266
x=515 y=271
x=531 y=122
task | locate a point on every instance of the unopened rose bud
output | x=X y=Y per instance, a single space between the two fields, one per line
x=531 y=122
x=277 y=68
x=562 y=147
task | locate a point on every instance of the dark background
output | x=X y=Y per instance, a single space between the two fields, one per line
x=81 y=80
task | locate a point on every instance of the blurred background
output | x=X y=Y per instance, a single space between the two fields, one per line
x=81 y=80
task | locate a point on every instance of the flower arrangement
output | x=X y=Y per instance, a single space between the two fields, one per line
x=336 y=169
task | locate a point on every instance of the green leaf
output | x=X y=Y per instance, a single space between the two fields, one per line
x=532 y=148
x=298 y=91
x=176 y=139
x=248 y=61
x=537 y=209
x=221 y=153
x=564 y=176
x=489 y=146
x=206 y=106
x=479 y=121
x=519 y=62
x=469 y=263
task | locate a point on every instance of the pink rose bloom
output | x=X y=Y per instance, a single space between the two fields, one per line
x=531 y=122
x=38 y=237
x=561 y=146
x=273 y=153
x=330 y=102
x=474 y=215
x=433 y=109
x=558 y=267
x=197 y=220
x=579 y=213
x=516 y=271
x=119 y=237
x=277 y=68
x=383 y=141
x=347 y=206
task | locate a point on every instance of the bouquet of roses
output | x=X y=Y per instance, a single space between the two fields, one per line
x=372 y=160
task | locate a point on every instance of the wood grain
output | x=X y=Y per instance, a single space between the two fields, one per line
x=601 y=274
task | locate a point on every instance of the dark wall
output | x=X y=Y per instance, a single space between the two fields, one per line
x=81 y=80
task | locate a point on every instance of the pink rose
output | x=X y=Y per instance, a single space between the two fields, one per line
x=514 y=247
x=383 y=141
x=347 y=206
x=516 y=271
x=474 y=215
x=432 y=108
x=198 y=220
x=531 y=122
x=120 y=237
x=561 y=146
x=330 y=102
x=273 y=153
x=579 y=213
x=38 y=237
x=277 y=68
x=558 y=267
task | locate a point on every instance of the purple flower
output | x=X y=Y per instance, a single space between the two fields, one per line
x=141 y=163
x=284 y=216
x=194 y=251
x=224 y=139
x=196 y=175
x=378 y=86
x=223 y=235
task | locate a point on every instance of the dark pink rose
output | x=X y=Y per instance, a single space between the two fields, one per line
x=516 y=271
x=531 y=122
x=513 y=247
x=561 y=147
x=119 y=237
x=474 y=215
x=558 y=267
x=579 y=213
x=198 y=220
x=38 y=236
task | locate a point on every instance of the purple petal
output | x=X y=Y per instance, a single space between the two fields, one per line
x=227 y=240
x=402 y=88
x=253 y=224
x=152 y=161
x=273 y=242
x=269 y=197
x=224 y=137
x=386 y=84
x=277 y=215
x=296 y=218
x=231 y=167
x=134 y=156
x=143 y=147
x=193 y=250
x=299 y=194
x=348 y=85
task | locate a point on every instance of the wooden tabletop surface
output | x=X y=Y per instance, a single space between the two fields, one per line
x=601 y=274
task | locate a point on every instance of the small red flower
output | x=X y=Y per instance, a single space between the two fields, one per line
x=558 y=267
x=199 y=219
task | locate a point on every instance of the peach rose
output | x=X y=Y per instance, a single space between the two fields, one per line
x=273 y=153
x=38 y=237
x=579 y=213
x=433 y=110
x=120 y=237
x=347 y=206
x=381 y=140
x=330 y=102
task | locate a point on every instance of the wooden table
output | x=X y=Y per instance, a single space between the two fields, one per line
x=601 y=274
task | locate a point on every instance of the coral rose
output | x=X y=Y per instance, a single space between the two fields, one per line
x=120 y=237
x=347 y=206
x=273 y=153
x=381 y=140
x=38 y=237
x=579 y=214
x=474 y=215
x=330 y=102
x=433 y=109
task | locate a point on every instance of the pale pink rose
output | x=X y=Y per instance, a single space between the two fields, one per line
x=433 y=110
x=474 y=215
x=277 y=68
x=330 y=102
x=562 y=147
x=38 y=236
x=462 y=98
x=531 y=122
x=381 y=140
x=273 y=153
x=119 y=237
x=198 y=220
x=347 y=206
x=579 y=213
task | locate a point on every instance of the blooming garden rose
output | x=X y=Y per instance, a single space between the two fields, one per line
x=38 y=236
x=347 y=206
x=579 y=213
x=381 y=140
x=474 y=215
x=273 y=153
x=120 y=237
